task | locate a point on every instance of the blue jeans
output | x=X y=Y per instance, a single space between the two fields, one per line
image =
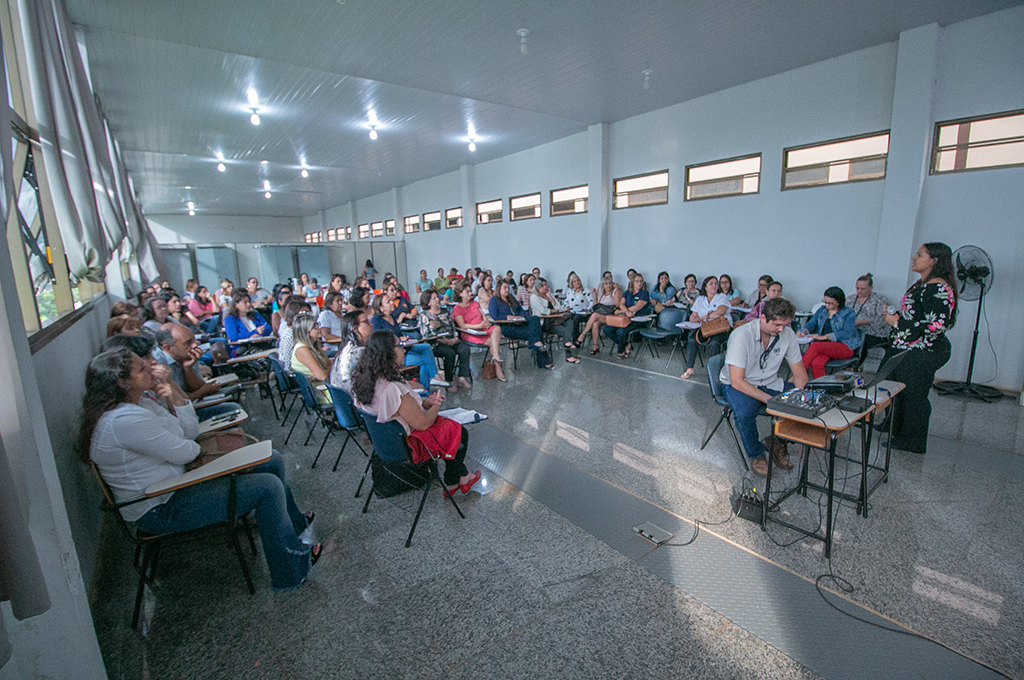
x=264 y=490
x=621 y=335
x=421 y=355
x=744 y=415
x=529 y=331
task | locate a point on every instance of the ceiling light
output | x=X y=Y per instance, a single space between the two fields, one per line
x=305 y=173
x=191 y=205
x=372 y=116
x=373 y=132
x=254 y=118
x=522 y=33
x=220 y=155
x=221 y=167
x=264 y=162
x=254 y=99
x=191 y=213
x=267 y=195
x=472 y=146
x=647 y=78
x=266 y=185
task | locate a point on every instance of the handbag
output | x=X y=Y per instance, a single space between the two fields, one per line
x=712 y=327
x=489 y=371
x=542 y=358
x=617 y=321
x=603 y=309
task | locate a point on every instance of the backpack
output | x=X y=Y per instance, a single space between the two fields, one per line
x=542 y=358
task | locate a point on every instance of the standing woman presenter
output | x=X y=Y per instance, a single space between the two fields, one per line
x=927 y=311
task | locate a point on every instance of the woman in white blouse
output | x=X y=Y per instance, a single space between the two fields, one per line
x=580 y=302
x=710 y=304
x=135 y=442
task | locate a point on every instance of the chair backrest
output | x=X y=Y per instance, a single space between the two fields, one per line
x=669 y=317
x=109 y=502
x=308 y=395
x=282 y=377
x=388 y=438
x=715 y=364
x=344 y=411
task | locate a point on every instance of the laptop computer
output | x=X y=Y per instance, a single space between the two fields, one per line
x=855 y=404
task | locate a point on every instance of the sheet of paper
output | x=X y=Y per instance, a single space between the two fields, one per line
x=462 y=416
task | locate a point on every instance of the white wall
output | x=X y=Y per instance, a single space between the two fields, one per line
x=242 y=233
x=981 y=71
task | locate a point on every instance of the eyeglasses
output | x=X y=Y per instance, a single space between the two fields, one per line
x=765 y=355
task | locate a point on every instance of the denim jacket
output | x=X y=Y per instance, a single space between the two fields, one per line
x=843 y=328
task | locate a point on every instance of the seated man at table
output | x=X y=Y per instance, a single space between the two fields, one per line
x=750 y=375
x=176 y=348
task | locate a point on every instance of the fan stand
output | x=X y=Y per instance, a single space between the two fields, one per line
x=969 y=389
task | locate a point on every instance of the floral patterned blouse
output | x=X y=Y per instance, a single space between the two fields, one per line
x=925 y=314
x=431 y=324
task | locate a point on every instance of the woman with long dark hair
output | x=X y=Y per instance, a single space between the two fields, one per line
x=419 y=354
x=709 y=305
x=436 y=324
x=832 y=330
x=355 y=331
x=928 y=309
x=380 y=390
x=241 y=321
x=135 y=442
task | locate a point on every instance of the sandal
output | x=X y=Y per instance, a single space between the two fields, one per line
x=594 y=350
x=572 y=360
x=315 y=553
x=687 y=374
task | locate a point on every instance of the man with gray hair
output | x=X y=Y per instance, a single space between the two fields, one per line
x=178 y=350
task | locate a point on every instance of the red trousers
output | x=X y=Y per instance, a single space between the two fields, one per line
x=820 y=352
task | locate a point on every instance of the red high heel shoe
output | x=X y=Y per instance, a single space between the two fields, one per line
x=464 y=488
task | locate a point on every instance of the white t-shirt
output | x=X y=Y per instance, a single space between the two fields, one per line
x=702 y=307
x=745 y=351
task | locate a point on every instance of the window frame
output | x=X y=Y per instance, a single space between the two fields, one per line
x=447 y=219
x=406 y=225
x=615 y=193
x=363 y=233
x=551 y=201
x=425 y=222
x=540 y=207
x=687 y=183
x=786 y=150
x=389 y=227
x=377 y=229
x=933 y=160
x=501 y=212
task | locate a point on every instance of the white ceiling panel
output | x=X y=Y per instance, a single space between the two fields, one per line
x=173 y=75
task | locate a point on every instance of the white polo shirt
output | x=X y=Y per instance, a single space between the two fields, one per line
x=745 y=350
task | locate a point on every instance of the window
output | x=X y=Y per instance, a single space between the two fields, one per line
x=315 y=237
x=389 y=228
x=995 y=141
x=488 y=212
x=431 y=221
x=412 y=224
x=377 y=229
x=364 y=231
x=332 y=234
x=730 y=177
x=347 y=236
x=524 y=207
x=852 y=159
x=453 y=218
x=638 y=190
x=569 y=201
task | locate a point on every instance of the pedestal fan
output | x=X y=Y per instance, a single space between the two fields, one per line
x=974 y=277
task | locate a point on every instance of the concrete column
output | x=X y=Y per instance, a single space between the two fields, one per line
x=910 y=142
x=600 y=202
x=467 y=182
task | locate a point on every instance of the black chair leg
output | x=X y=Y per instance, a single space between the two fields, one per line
x=348 y=436
x=316 y=419
x=321 y=450
x=273 y=402
x=241 y=558
x=739 y=447
x=289 y=411
x=419 y=511
x=368 y=495
x=722 y=417
x=297 y=416
x=147 y=559
x=359 y=490
x=248 y=532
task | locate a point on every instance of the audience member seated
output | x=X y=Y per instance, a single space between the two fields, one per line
x=129 y=325
x=154 y=313
x=503 y=306
x=285 y=339
x=710 y=305
x=689 y=292
x=725 y=288
x=379 y=389
x=307 y=357
x=174 y=314
x=761 y=292
x=468 y=315
x=664 y=292
x=833 y=330
x=355 y=331
x=227 y=289
x=259 y=297
x=177 y=349
x=241 y=321
x=441 y=282
x=190 y=290
x=774 y=292
x=330 y=322
x=605 y=303
x=135 y=442
x=203 y=310
x=750 y=376
x=419 y=354
x=403 y=313
x=510 y=277
x=423 y=285
x=436 y=324
x=486 y=291
x=580 y=302
x=280 y=298
x=544 y=305
x=358 y=299
x=636 y=302
x=526 y=290
x=870 y=308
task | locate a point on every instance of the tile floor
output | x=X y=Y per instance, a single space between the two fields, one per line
x=517 y=591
